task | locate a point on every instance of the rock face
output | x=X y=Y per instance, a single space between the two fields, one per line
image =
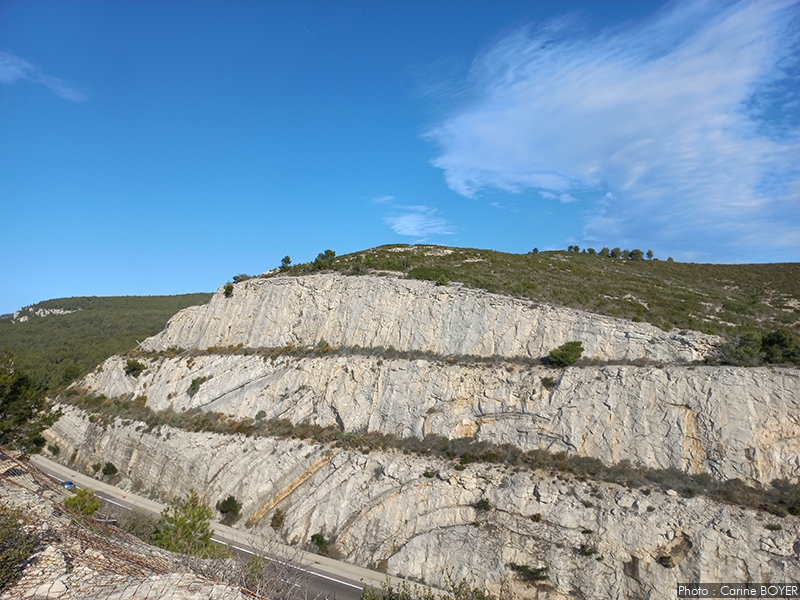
x=411 y=315
x=729 y=422
x=78 y=561
x=421 y=517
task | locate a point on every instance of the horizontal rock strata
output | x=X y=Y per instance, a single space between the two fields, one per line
x=727 y=421
x=374 y=311
x=421 y=518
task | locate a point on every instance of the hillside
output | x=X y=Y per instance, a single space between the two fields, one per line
x=58 y=340
x=717 y=299
x=74 y=335
x=404 y=421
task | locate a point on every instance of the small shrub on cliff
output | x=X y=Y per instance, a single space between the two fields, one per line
x=483 y=505
x=194 y=387
x=277 y=520
x=440 y=276
x=566 y=354
x=666 y=561
x=134 y=368
x=229 y=508
x=528 y=573
x=742 y=352
x=109 y=469
x=780 y=346
x=323 y=545
x=228 y=290
x=83 y=501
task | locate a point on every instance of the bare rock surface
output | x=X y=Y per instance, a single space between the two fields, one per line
x=371 y=311
x=727 y=421
x=75 y=559
x=422 y=518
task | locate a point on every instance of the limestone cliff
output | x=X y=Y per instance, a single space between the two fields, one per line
x=421 y=517
x=730 y=422
x=373 y=311
x=417 y=516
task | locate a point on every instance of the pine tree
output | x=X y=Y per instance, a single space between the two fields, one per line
x=24 y=412
x=185 y=526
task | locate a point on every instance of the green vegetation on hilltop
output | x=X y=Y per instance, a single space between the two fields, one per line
x=720 y=299
x=57 y=348
x=747 y=303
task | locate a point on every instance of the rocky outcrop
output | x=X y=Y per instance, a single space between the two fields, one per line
x=73 y=560
x=730 y=422
x=422 y=518
x=371 y=311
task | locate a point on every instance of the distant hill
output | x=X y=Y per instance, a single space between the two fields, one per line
x=62 y=339
x=727 y=300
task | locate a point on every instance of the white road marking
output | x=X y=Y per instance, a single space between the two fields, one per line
x=312 y=573
x=352 y=585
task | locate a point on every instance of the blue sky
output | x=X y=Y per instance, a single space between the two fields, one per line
x=163 y=147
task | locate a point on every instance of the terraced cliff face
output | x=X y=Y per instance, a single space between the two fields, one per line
x=412 y=315
x=417 y=516
x=421 y=517
x=729 y=422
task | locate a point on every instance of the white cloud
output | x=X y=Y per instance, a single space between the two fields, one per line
x=674 y=116
x=14 y=68
x=382 y=200
x=419 y=222
x=563 y=198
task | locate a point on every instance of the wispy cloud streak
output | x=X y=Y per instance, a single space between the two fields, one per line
x=419 y=222
x=563 y=198
x=690 y=120
x=14 y=68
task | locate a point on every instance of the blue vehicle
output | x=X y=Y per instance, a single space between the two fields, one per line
x=68 y=485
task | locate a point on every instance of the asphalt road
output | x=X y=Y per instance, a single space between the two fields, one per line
x=325 y=577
